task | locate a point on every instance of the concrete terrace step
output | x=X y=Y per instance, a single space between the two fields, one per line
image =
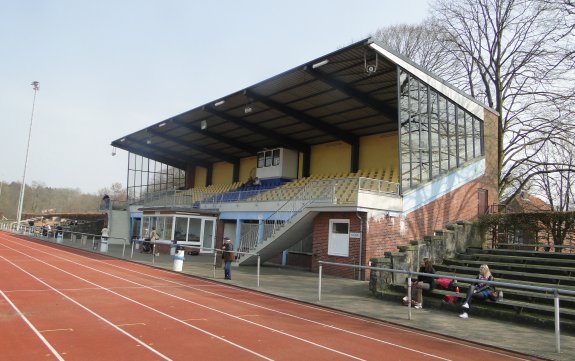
x=523 y=253
x=518 y=259
x=521 y=295
x=514 y=311
x=550 y=280
x=510 y=266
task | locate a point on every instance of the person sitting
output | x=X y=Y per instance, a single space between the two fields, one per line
x=480 y=290
x=426 y=283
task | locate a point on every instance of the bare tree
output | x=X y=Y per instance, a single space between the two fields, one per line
x=521 y=57
x=558 y=188
x=419 y=43
x=514 y=55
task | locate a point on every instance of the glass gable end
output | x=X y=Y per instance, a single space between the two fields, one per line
x=436 y=135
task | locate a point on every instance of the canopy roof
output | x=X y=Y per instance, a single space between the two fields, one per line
x=341 y=96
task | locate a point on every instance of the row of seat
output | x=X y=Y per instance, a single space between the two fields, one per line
x=345 y=185
x=341 y=185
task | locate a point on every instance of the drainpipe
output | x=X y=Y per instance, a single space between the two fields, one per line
x=360 y=244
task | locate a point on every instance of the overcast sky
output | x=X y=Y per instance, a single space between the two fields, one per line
x=109 y=68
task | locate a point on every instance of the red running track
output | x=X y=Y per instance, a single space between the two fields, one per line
x=58 y=303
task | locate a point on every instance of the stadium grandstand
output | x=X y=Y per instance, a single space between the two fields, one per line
x=341 y=159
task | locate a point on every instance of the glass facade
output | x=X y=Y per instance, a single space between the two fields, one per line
x=187 y=229
x=148 y=176
x=436 y=135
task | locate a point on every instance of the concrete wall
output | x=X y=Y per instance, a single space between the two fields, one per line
x=330 y=158
x=379 y=151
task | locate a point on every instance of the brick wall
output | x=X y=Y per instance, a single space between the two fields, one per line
x=321 y=238
x=386 y=233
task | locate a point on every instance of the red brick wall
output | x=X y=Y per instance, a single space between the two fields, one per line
x=386 y=233
x=320 y=244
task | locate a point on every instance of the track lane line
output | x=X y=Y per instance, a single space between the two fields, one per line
x=128 y=299
x=34 y=329
x=164 y=357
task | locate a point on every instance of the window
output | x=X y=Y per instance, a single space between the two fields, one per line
x=268 y=158
x=436 y=135
x=276 y=156
x=338 y=243
x=261 y=157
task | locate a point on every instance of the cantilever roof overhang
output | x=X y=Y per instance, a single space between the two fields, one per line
x=341 y=96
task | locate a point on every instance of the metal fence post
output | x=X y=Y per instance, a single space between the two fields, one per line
x=557 y=322
x=319 y=285
x=409 y=295
x=259 y=262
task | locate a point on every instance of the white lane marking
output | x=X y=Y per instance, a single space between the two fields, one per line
x=34 y=329
x=87 y=309
x=131 y=300
x=58 y=330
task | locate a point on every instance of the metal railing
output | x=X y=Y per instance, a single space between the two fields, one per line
x=556 y=291
x=174 y=247
x=317 y=192
x=199 y=198
x=91 y=241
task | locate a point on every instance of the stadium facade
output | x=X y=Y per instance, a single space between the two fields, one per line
x=355 y=153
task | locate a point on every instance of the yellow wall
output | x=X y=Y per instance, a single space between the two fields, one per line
x=379 y=151
x=375 y=151
x=222 y=173
x=247 y=168
x=200 y=177
x=330 y=158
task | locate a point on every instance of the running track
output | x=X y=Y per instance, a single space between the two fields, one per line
x=58 y=303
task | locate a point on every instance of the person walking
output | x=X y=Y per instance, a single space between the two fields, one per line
x=228 y=256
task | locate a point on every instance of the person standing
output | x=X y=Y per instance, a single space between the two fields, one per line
x=105 y=233
x=228 y=256
x=154 y=236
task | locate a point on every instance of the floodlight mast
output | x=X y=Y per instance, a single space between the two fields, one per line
x=36 y=87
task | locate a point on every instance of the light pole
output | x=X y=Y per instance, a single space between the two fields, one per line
x=36 y=86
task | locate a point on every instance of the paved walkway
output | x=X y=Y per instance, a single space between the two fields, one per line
x=354 y=297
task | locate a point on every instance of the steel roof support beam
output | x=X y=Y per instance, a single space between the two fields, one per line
x=233 y=142
x=281 y=139
x=177 y=156
x=314 y=122
x=361 y=97
x=218 y=155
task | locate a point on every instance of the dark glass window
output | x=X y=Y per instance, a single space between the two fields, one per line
x=268 y=158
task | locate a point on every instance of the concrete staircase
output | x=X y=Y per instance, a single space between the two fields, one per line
x=294 y=230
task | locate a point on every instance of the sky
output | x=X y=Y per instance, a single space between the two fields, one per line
x=109 y=68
